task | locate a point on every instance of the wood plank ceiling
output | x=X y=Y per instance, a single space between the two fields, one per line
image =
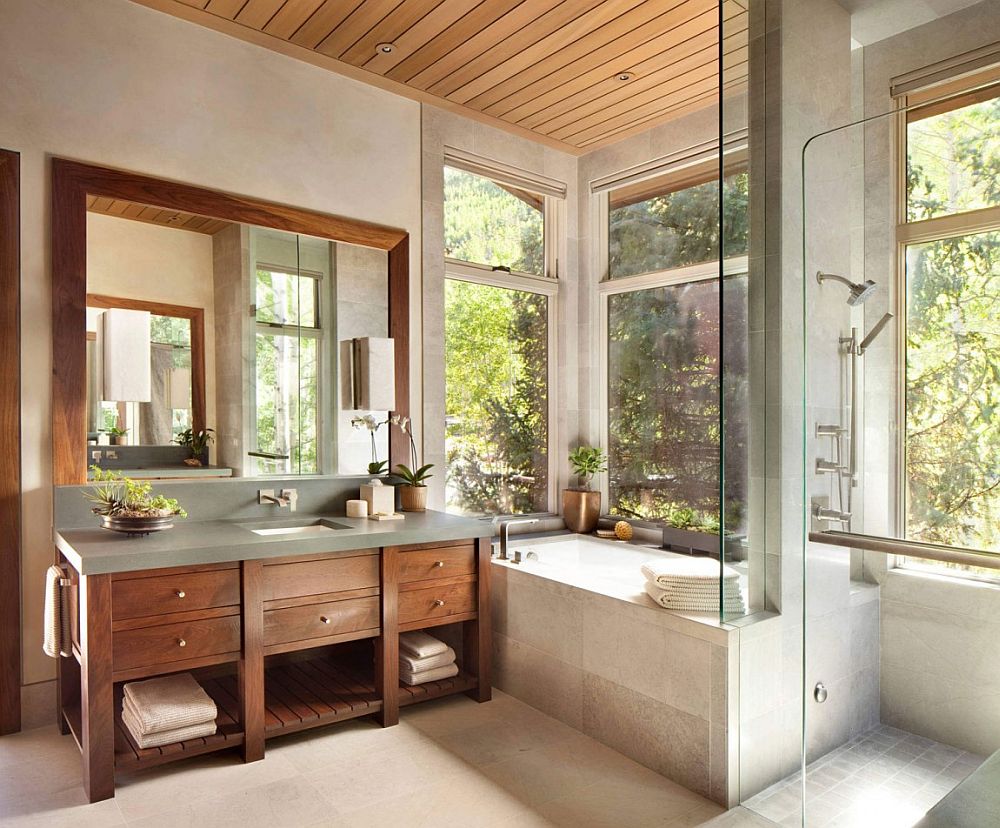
x=576 y=74
x=176 y=219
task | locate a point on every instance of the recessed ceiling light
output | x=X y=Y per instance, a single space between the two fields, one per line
x=624 y=76
x=385 y=48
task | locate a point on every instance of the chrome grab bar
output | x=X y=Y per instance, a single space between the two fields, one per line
x=910 y=549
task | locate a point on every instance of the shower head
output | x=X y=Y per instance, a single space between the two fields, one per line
x=874 y=332
x=859 y=291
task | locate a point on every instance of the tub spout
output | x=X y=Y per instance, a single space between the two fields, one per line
x=504 y=537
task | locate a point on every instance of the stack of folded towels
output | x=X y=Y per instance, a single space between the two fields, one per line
x=164 y=710
x=693 y=585
x=423 y=658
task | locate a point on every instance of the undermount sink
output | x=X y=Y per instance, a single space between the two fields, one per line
x=279 y=528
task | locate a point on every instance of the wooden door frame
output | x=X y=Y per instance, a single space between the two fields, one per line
x=196 y=316
x=73 y=181
x=10 y=443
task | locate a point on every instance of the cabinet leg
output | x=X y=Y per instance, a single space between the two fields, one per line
x=477 y=636
x=251 y=669
x=97 y=711
x=387 y=645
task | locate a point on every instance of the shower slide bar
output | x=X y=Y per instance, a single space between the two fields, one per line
x=909 y=549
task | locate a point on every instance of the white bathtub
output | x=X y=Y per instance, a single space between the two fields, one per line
x=606 y=567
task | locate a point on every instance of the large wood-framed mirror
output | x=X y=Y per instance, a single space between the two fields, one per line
x=177 y=309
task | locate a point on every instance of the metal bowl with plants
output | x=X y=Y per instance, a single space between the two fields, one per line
x=129 y=506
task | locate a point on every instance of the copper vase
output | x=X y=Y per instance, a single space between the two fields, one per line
x=581 y=510
x=413 y=498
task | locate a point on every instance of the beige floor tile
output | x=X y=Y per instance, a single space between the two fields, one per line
x=613 y=804
x=160 y=790
x=57 y=808
x=287 y=802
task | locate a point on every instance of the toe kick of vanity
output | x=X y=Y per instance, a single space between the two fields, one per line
x=281 y=644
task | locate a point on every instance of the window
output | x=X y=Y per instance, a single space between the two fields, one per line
x=286 y=390
x=670 y=221
x=497 y=399
x=493 y=224
x=950 y=261
x=498 y=341
x=662 y=371
x=173 y=336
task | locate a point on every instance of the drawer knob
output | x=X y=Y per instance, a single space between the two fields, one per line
x=438 y=602
x=438 y=563
x=181 y=642
x=180 y=593
x=324 y=619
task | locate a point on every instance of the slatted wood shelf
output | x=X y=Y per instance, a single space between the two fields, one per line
x=311 y=693
x=129 y=757
x=435 y=689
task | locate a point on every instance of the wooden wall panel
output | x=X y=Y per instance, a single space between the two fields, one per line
x=10 y=444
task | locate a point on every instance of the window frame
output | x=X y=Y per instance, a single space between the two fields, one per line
x=325 y=457
x=923 y=231
x=548 y=285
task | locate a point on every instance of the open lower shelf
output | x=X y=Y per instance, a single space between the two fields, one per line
x=434 y=689
x=130 y=757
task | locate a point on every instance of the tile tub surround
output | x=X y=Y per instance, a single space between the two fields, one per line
x=598 y=655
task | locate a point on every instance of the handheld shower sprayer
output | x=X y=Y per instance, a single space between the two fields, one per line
x=860 y=291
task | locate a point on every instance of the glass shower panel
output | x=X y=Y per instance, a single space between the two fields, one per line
x=902 y=371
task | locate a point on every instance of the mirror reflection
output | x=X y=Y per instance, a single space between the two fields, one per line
x=217 y=349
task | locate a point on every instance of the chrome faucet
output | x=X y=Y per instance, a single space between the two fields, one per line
x=505 y=537
x=287 y=497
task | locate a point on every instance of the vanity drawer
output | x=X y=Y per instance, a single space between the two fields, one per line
x=296 y=579
x=147 y=646
x=176 y=592
x=300 y=623
x=436 y=602
x=437 y=562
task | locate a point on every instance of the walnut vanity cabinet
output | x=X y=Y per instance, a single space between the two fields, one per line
x=281 y=645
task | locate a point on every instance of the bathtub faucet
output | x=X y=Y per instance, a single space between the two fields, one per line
x=505 y=534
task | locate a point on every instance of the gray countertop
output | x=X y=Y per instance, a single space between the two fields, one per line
x=98 y=551
x=170 y=472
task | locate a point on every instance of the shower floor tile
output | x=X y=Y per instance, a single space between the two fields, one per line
x=885 y=778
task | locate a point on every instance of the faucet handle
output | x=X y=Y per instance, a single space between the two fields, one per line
x=292 y=496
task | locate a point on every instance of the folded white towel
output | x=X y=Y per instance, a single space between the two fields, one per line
x=665 y=600
x=420 y=645
x=165 y=704
x=700 y=592
x=437 y=673
x=166 y=737
x=421 y=665
x=57 y=640
x=665 y=571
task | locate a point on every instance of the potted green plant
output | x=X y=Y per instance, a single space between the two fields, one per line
x=116 y=435
x=581 y=505
x=129 y=506
x=413 y=489
x=198 y=442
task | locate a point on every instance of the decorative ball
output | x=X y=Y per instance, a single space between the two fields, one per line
x=623 y=530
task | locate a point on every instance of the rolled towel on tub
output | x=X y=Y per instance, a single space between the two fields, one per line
x=665 y=572
x=693 y=604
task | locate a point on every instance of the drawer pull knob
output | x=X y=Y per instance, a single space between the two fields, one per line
x=180 y=593
x=438 y=563
x=438 y=602
x=324 y=619
x=181 y=642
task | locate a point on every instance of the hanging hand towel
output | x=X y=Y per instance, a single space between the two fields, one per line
x=57 y=640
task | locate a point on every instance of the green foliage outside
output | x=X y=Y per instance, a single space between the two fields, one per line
x=176 y=332
x=485 y=223
x=287 y=380
x=678 y=228
x=496 y=362
x=953 y=335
